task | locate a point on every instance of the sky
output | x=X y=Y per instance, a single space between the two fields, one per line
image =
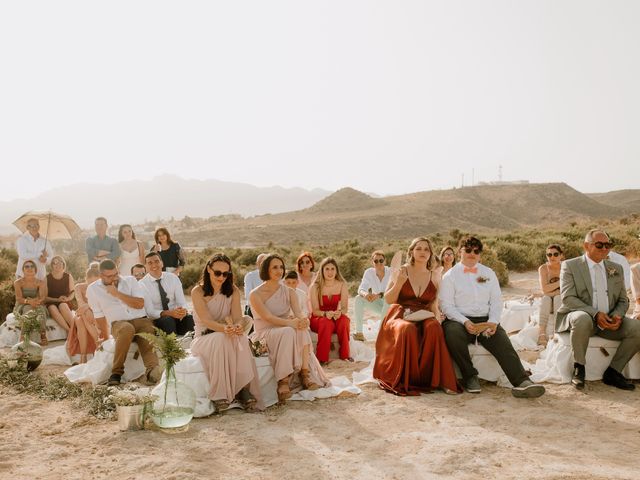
x=385 y=97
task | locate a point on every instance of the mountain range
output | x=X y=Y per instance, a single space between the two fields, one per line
x=163 y=197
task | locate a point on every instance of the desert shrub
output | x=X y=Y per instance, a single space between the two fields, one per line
x=77 y=264
x=7 y=269
x=189 y=276
x=490 y=259
x=10 y=254
x=351 y=267
x=247 y=257
x=7 y=299
x=516 y=257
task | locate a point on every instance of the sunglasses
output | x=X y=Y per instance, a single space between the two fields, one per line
x=601 y=245
x=381 y=260
x=32 y=226
x=553 y=254
x=219 y=273
x=475 y=251
x=28 y=265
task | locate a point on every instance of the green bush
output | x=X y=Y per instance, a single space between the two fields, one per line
x=351 y=267
x=490 y=259
x=10 y=254
x=7 y=269
x=190 y=276
x=7 y=299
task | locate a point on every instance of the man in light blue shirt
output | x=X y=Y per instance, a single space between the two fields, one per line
x=101 y=246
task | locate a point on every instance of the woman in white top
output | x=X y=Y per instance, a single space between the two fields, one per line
x=306 y=271
x=132 y=250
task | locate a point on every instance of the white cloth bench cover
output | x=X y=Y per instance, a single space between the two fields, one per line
x=10 y=333
x=555 y=364
x=98 y=369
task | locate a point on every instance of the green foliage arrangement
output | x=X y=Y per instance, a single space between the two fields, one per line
x=167 y=345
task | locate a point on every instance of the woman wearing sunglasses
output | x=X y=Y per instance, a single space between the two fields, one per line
x=60 y=292
x=287 y=337
x=306 y=271
x=30 y=295
x=549 y=276
x=221 y=340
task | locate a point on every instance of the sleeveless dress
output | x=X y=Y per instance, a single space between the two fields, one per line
x=33 y=292
x=128 y=260
x=326 y=327
x=285 y=344
x=412 y=357
x=227 y=361
x=58 y=288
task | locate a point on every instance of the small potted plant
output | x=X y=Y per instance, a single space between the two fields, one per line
x=25 y=351
x=131 y=407
x=176 y=401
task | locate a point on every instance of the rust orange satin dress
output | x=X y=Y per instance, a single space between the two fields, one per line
x=412 y=357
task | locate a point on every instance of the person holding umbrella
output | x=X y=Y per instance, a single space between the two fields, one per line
x=33 y=246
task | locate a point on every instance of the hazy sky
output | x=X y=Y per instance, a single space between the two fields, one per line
x=384 y=96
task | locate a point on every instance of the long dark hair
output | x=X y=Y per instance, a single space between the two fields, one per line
x=121 y=236
x=205 y=279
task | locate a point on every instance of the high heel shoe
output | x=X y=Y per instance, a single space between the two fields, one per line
x=307 y=383
x=284 y=392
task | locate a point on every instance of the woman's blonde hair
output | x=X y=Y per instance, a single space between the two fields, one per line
x=319 y=282
x=93 y=270
x=432 y=262
x=58 y=257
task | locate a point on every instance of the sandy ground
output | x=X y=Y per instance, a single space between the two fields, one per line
x=564 y=434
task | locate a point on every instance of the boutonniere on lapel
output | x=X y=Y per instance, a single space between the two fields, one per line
x=482 y=279
x=611 y=272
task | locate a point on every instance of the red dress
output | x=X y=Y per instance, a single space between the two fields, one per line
x=325 y=327
x=412 y=357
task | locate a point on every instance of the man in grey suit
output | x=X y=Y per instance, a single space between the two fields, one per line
x=594 y=302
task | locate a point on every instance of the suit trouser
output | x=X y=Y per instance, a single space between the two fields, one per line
x=123 y=332
x=583 y=327
x=361 y=304
x=173 y=325
x=498 y=344
x=548 y=306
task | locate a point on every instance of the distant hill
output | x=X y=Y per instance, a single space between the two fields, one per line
x=628 y=200
x=162 y=197
x=349 y=213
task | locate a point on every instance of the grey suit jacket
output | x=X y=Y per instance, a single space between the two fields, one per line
x=576 y=290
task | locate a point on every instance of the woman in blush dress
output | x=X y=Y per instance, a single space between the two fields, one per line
x=329 y=302
x=131 y=250
x=306 y=271
x=412 y=356
x=60 y=292
x=549 y=277
x=171 y=253
x=85 y=335
x=287 y=339
x=221 y=340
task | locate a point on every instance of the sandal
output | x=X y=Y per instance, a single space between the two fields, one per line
x=220 y=405
x=247 y=400
x=359 y=337
x=284 y=392
x=543 y=340
x=307 y=383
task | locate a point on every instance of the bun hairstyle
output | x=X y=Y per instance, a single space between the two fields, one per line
x=93 y=271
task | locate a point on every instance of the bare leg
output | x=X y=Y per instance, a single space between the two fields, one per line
x=66 y=313
x=57 y=316
x=82 y=339
x=103 y=329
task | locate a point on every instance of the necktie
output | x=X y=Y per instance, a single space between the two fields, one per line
x=470 y=270
x=163 y=296
x=600 y=287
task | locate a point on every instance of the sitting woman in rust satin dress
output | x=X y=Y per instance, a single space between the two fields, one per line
x=412 y=356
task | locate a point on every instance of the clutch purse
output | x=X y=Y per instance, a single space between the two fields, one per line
x=418 y=315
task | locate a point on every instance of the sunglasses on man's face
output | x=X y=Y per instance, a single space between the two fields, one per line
x=601 y=245
x=475 y=251
x=220 y=273
x=380 y=260
x=32 y=226
x=29 y=265
x=552 y=254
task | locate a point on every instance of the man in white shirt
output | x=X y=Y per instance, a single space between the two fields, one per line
x=165 y=302
x=120 y=300
x=594 y=302
x=371 y=292
x=33 y=246
x=251 y=281
x=471 y=300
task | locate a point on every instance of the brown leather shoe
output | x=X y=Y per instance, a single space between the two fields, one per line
x=305 y=378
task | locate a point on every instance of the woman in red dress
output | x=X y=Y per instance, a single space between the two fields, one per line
x=412 y=356
x=329 y=304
